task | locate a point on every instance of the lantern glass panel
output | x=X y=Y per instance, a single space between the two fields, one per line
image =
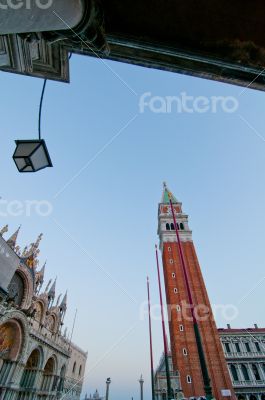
x=31 y=155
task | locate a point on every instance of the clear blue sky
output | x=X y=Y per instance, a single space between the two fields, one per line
x=99 y=239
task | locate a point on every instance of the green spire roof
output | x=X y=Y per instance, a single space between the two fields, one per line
x=167 y=194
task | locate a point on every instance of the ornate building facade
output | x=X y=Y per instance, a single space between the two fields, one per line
x=37 y=361
x=189 y=307
x=244 y=350
x=161 y=381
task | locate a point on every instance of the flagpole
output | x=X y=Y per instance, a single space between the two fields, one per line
x=205 y=374
x=151 y=342
x=169 y=391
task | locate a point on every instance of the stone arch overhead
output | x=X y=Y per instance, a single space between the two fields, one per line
x=19 y=318
x=39 y=348
x=42 y=304
x=28 y=280
x=51 y=321
x=55 y=360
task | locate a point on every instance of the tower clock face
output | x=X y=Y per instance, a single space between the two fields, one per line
x=16 y=289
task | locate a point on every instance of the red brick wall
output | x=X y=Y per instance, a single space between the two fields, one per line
x=189 y=364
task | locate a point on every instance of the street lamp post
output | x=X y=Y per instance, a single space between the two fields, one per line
x=108 y=382
x=141 y=381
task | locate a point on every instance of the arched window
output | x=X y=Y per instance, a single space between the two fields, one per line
x=74 y=367
x=234 y=372
x=181 y=226
x=263 y=367
x=257 y=346
x=173 y=275
x=48 y=375
x=175 y=290
x=80 y=370
x=245 y=372
x=255 y=372
x=31 y=369
x=188 y=379
x=172 y=227
x=167 y=227
x=16 y=289
x=181 y=328
x=185 y=353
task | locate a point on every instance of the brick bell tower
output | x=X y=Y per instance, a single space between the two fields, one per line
x=185 y=351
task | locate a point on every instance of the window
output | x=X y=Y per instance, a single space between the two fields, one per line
x=257 y=346
x=188 y=379
x=172 y=227
x=74 y=367
x=185 y=353
x=181 y=226
x=171 y=261
x=247 y=347
x=256 y=372
x=167 y=227
x=173 y=275
x=80 y=370
x=169 y=248
x=245 y=372
x=181 y=328
x=234 y=372
x=178 y=308
x=175 y=290
x=227 y=347
x=237 y=347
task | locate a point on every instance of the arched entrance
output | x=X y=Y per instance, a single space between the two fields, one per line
x=253 y=397
x=241 y=397
x=48 y=376
x=31 y=369
x=10 y=347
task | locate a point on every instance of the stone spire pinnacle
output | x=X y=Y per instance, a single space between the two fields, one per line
x=4 y=230
x=58 y=299
x=63 y=304
x=48 y=285
x=51 y=292
x=41 y=273
x=13 y=239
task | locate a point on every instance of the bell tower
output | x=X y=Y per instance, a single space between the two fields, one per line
x=183 y=282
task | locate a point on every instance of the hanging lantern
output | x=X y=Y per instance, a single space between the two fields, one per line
x=31 y=155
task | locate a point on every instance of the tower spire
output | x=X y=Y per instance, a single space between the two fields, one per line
x=51 y=293
x=13 y=239
x=167 y=195
x=63 y=304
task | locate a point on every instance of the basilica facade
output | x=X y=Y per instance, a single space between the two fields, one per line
x=37 y=360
